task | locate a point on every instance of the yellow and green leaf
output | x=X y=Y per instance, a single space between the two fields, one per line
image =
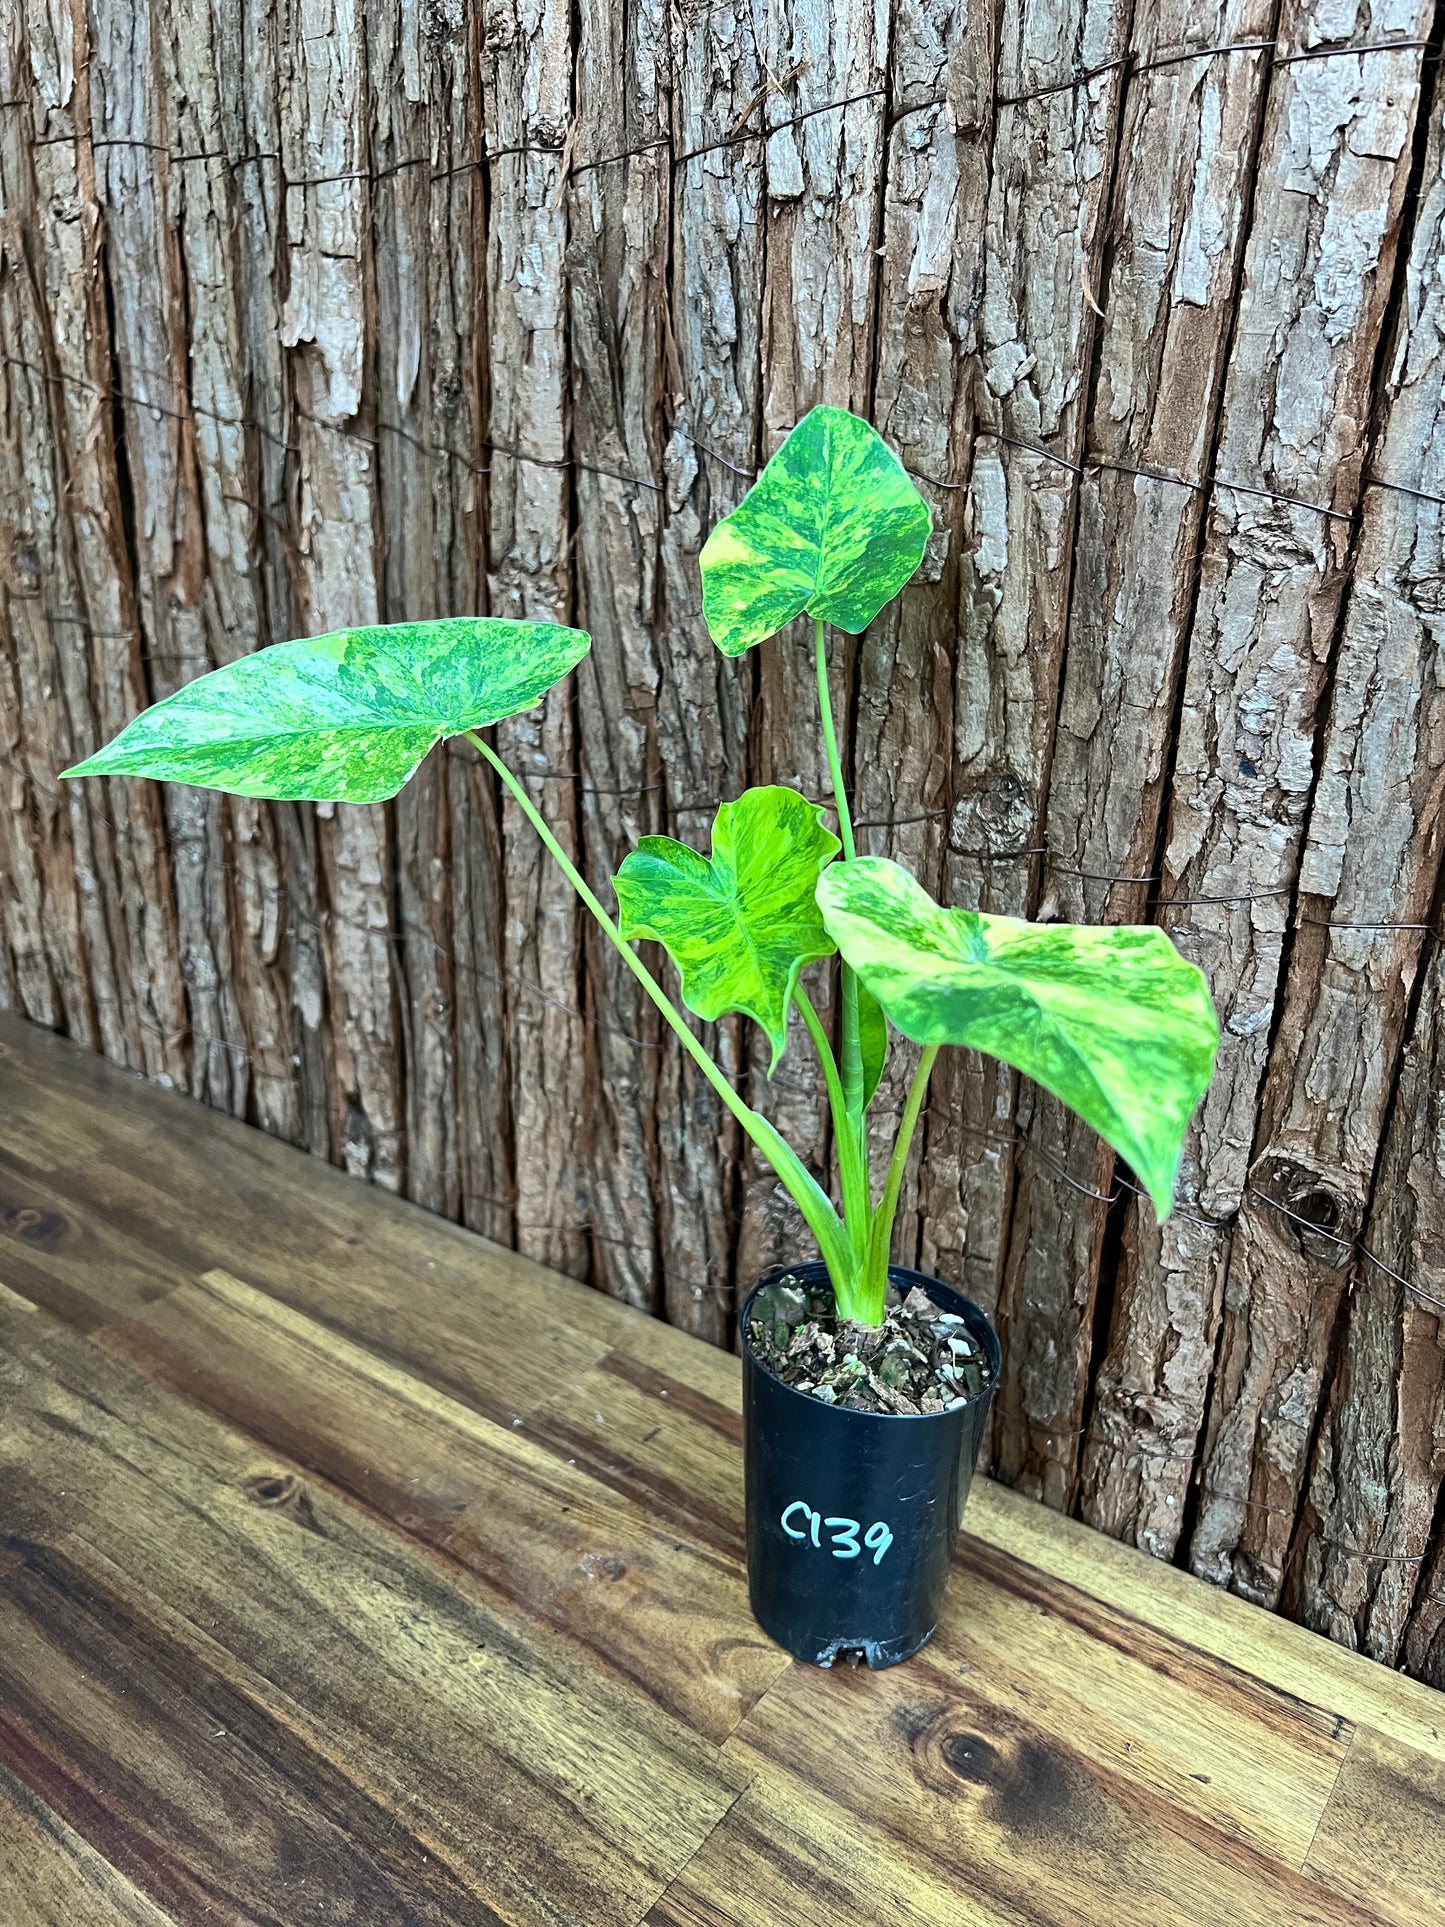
x=1113 y=1021
x=832 y=528
x=740 y=924
x=341 y=718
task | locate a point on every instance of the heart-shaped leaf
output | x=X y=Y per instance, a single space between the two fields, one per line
x=740 y=925
x=1113 y=1021
x=832 y=526
x=343 y=718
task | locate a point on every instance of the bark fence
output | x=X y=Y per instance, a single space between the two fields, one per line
x=315 y=314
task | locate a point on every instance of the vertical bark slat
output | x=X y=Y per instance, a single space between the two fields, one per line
x=1365 y=1533
x=527 y=76
x=1334 y=163
x=201 y=57
x=1403 y=1396
x=327 y=327
x=616 y=271
x=712 y=350
x=824 y=181
x=1372 y=858
x=188 y=587
x=932 y=242
x=425 y=131
x=1052 y=159
x=1186 y=145
x=82 y=651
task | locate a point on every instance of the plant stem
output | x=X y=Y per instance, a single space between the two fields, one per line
x=852 y=1053
x=852 y=1159
x=835 y=768
x=814 y=1203
x=881 y=1237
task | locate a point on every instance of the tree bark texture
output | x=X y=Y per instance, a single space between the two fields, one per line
x=314 y=314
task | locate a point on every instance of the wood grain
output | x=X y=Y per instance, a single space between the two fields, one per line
x=51 y=1877
x=372 y=1572
x=1382 y=1839
x=199 y=1708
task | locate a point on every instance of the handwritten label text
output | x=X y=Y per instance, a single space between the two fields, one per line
x=800 y=1521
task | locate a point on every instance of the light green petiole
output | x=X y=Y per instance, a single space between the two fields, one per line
x=850 y=1049
x=880 y=1239
x=830 y=739
x=848 y=1119
x=852 y=1152
x=843 y=1262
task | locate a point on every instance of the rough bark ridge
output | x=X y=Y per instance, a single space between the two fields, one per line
x=313 y=314
x=1373 y=856
x=1187 y=149
x=1053 y=158
x=1295 y=416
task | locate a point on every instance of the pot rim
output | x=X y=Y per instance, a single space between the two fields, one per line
x=979 y=1324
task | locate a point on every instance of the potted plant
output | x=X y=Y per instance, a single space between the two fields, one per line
x=866 y=1386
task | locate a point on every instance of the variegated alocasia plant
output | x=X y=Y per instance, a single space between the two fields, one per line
x=1113 y=1021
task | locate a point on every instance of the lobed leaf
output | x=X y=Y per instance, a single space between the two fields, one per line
x=1114 y=1022
x=741 y=924
x=341 y=718
x=832 y=528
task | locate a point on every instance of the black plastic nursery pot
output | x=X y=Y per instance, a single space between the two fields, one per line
x=852 y=1516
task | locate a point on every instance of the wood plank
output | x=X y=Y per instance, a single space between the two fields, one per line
x=332 y=1591
x=954 y=1778
x=1382 y=1840
x=523 y=1514
x=111 y=1156
x=784 y=1855
x=51 y=1877
x=257 y=1697
x=1315 y=1672
x=112 y=1199
x=437 y=1302
x=1198 y=1734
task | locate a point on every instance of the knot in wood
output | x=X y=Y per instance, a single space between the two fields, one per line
x=994 y=819
x=603 y=1565
x=33 y=1226
x=1317 y=1218
x=271 y=1489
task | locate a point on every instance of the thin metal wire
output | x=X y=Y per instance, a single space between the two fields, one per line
x=1271 y=47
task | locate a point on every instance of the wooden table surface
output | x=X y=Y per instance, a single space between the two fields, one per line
x=354 y=1570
